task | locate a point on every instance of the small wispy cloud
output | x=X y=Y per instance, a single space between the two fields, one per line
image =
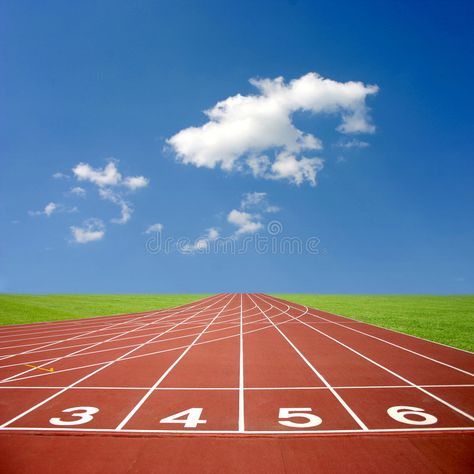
x=126 y=209
x=60 y=175
x=201 y=244
x=90 y=231
x=245 y=222
x=109 y=175
x=78 y=191
x=157 y=227
x=354 y=143
x=52 y=208
x=112 y=185
x=257 y=200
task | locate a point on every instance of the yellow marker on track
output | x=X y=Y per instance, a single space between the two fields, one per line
x=40 y=368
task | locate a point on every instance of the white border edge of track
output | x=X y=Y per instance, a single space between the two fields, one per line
x=236 y=432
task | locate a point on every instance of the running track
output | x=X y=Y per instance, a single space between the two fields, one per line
x=232 y=383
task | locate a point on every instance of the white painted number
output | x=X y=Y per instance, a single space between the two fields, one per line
x=189 y=418
x=83 y=413
x=312 y=419
x=400 y=414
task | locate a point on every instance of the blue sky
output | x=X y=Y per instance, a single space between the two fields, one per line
x=387 y=194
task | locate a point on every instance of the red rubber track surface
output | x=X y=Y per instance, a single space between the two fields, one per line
x=232 y=383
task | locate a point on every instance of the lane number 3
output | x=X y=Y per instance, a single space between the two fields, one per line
x=83 y=415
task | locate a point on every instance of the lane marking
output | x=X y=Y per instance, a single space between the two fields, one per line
x=241 y=372
x=297 y=433
x=74 y=354
x=49 y=361
x=444 y=402
x=21 y=415
x=168 y=370
x=39 y=349
x=40 y=368
x=325 y=382
x=345 y=387
x=90 y=332
x=385 y=341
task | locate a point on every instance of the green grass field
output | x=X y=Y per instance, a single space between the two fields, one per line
x=20 y=309
x=446 y=319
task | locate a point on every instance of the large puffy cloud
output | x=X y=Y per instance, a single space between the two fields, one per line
x=257 y=132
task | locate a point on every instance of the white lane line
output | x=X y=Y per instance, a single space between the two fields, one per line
x=100 y=318
x=248 y=432
x=318 y=374
x=100 y=328
x=383 y=340
x=90 y=332
x=241 y=373
x=168 y=370
x=39 y=349
x=148 y=354
x=444 y=402
x=353 y=320
x=52 y=361
x=75 y=354
x=21 y=415
x=342 y=387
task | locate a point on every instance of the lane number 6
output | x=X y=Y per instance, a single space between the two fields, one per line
x=399 y=413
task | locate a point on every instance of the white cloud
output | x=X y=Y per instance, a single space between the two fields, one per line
x=354 y=143
x=257 y=200
x=52 y=208
x=91 y=230
x=243 y=130
x=154 y=228
x=126 y=209
x=212 y=233
x=252 y=199
x=135 y=182
x=245 y=222
x=78 y=191
x=201 y=244
x=107 y=176
x=288 y=166
x=110 y=182
x=60 y=175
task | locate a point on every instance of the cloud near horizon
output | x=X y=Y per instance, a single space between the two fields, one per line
x=255 y=133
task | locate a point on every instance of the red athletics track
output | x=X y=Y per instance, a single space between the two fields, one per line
x=232 y=383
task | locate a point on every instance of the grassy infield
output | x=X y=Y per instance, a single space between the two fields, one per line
x=446 y=319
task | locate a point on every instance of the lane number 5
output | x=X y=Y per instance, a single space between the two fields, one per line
x=84 y=415
x=311 y=419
